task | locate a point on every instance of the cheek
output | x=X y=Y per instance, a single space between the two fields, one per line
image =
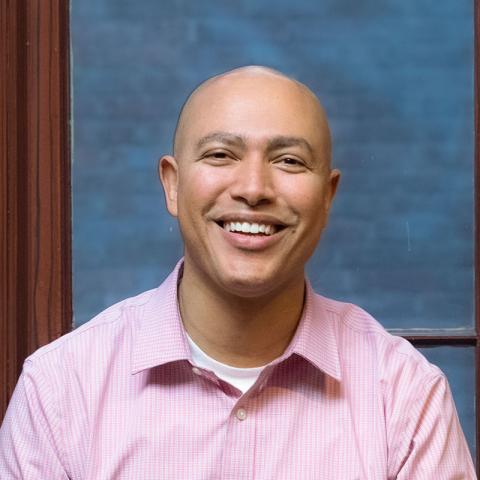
x=306 y=196
x=198 y=190
x=202 y=180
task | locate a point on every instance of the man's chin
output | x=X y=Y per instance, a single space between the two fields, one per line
x=249 y=285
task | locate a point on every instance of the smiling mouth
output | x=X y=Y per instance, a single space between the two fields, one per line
x=247 y=228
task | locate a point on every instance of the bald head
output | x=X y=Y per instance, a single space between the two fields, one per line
x=251 y=84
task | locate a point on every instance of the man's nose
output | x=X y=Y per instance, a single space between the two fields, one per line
x=253 y=183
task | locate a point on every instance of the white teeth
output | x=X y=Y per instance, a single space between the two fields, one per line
x=252 y=228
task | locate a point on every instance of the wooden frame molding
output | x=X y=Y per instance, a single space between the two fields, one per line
x=35 y=207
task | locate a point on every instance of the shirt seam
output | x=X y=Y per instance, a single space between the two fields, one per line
x=77 y=333
x=399 y=462
x=348 y=312
x=56 y=434
x=378 y=332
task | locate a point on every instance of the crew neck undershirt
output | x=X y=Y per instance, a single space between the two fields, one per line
x=241 y=378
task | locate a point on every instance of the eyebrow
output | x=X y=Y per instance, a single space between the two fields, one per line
x=281 y=141
x=223 y=137
x=275 y=143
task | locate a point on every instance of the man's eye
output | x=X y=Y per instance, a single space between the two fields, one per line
x=217 y=156
x=291 y=162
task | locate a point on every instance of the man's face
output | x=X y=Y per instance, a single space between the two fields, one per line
x=250 y=183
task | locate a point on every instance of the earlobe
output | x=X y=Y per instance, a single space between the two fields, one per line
x=334 y=180
x=168 y=174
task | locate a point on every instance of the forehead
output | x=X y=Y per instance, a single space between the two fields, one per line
x=257 y=108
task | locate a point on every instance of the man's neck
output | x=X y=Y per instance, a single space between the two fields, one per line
x=238 y=331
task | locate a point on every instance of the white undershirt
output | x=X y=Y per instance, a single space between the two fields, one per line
x=242 y=378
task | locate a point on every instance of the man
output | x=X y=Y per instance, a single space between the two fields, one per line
x=234 y=368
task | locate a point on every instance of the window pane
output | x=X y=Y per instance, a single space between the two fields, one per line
x=396 y=79
x=458 y=364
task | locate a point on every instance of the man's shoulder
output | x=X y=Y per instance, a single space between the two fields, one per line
x=351 y=317
x=101 y=331
x=356 y=329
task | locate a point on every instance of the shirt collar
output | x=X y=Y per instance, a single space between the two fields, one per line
x=160 y=338
x=315 y=338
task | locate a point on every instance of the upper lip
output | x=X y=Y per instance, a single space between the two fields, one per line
x=250 y=217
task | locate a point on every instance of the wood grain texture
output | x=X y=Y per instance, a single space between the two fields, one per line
x=35 y=211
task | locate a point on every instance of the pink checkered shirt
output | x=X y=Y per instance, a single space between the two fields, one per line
x=118 y=398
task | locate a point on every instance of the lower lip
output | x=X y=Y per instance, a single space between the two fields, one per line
x=251 y=242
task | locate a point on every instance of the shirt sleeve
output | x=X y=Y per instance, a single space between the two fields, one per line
x=432 y=443
x=28 y=446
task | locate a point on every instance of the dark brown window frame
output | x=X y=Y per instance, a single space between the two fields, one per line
x=35 y=210
x=35 y=189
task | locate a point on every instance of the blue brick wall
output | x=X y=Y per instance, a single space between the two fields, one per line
x=396 y=78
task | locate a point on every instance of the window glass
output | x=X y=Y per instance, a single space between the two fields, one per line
x=396 y=79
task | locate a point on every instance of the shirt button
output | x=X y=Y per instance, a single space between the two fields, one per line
x=196 y=371
x=241 y=414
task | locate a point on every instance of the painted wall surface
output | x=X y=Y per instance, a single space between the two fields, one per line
x=396 y=78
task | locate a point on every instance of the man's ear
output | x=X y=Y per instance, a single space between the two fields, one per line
x=333 y=181
x=168 y=174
